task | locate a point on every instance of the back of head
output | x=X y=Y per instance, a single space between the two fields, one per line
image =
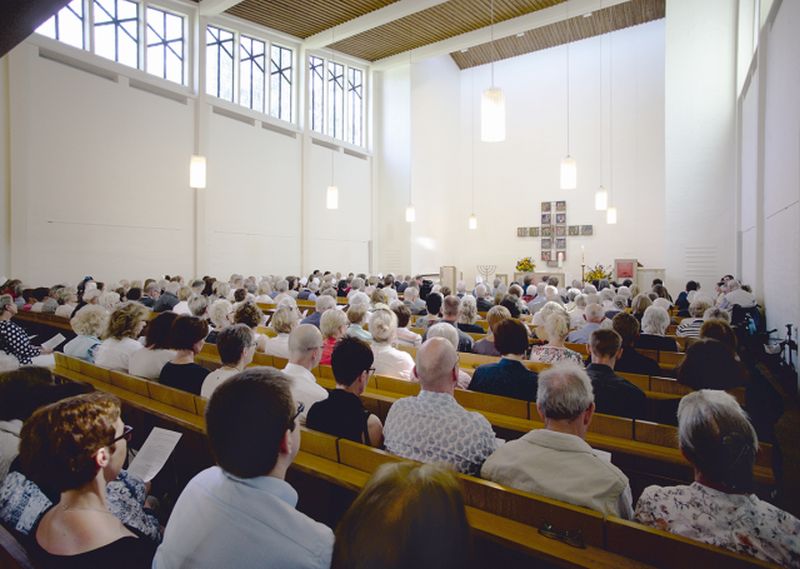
x=331 y=322
x=158 y=330
x=124 y=321
x=698 y=307
x=655 y=320
x=510 y=302
x=662 y=303
x=325 y=302
x=436 y=360
x=249 y=314
x=186 y=332
x=565 y=391
x=556 y=326
x=710 y=364
x=715 y=313
x=357 y=313
x=434 y=303
x=446 y=331
x=383 y=325
x=450 y=306
x=717 y=437
x=640 y=303
x=605 y=343
x=411 y=293
x=511 y=337
x=304 y=338
x=402 y=312
x=218 y=313
x=246 y=419
x=284 y=319
x=718 y=329
x=496 y=315
x=406 y=516
x=232 y=341
x=350 y=358
x=594 y=313
x=91 y=320
x=627 y=327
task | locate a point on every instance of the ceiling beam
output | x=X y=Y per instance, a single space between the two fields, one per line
x=521 y=24
x=214 y=7
x=373 y=19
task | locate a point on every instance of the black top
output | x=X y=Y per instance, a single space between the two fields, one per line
x=188 y=377
x=474 y=328
x=484 y=305
x=341 y=415
x=125 y=553
x=614 y=395
x=508 y=378
x=634 y=362
x=654 y=342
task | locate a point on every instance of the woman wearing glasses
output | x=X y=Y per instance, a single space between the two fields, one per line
x=84 y=443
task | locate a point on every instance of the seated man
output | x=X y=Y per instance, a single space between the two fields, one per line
x=323 y=303
x=632 y=361
x=411 y=299
x=236 y=345
x=432 y=426
x=613 y=395
x=305 y=352
x=556 y=461
x=482 y=299
x=508 y=377
x=594 y=316
x=690 y=327
x=450 y=307
x=342 y=414
x=241 y=513
x=433 y=306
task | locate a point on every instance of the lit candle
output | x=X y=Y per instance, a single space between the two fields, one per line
x=560 y=259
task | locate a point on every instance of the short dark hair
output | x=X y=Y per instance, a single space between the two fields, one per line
x=710 y=364
x=246 y=419
x=604 y=342
x=403 y=314
x=434 y=303
x=511 y=304
x=248 y=313
x=692 y=285
x=511 y=337
x=239 y=295
x=232 y=341
x=134 y=293
x=186 y=331
x=627 y=326
x=157 y=335
x=350 y=358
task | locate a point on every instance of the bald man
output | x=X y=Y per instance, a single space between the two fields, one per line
x=432 y=426
x=305 y=351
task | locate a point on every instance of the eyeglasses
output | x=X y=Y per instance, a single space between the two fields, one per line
x=300 y=408
x=372 y=371
x=127 y=434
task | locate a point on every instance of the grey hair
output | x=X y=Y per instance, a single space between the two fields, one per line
x=331 y=322
x=564 y=392
x=663 y=303
x=304 y=338
x=198 y=305
x=325 y=302
x=91 y=320
x=620 y=302
x=5 y=300
x=383 y=325
x=594 y=312
x=719 y=313
x=218 y=312
x=284 y=319
x=468 y=311
x=443 y=330
x=359 y=299
x=698 y=307
x=481 y=290
x=655 y=320
x=580 y=300
x=411 y=293
x=556 y=326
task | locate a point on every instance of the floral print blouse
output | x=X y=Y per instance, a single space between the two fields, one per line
x=738 y=522
x=552 y=355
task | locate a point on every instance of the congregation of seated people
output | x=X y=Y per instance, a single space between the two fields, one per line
x=242 y=512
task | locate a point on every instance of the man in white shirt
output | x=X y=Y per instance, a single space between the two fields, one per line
x=236 y=345
x=241 y=513
x=305 y=352
x=736 y=295
x=556 y=461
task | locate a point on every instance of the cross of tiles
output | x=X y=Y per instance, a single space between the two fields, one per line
x=554 y=231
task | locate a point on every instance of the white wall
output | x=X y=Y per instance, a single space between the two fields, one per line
x=700 y=111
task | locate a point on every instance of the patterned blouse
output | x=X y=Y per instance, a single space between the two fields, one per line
x=552 y=355
x=738 y=522
x=14 y=341
x=433 y=427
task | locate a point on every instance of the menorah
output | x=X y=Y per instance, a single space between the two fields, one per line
x=486 y=271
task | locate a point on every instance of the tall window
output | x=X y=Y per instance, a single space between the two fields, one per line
x=66 y=25
x=116 y=31
x=336 y=100
x=165 y=45
x=281 y=82
x=252 y=66
x=219 y=63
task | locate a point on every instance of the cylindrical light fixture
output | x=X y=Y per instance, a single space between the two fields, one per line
x=473 y=222
x=611 y=215
x=493 y=115
x=197 y=172
x=601 y=199
x=332 y=197
x=569 y=173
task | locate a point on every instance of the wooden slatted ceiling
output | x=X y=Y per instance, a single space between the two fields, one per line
x=304 y=18
x=602 y=21
x=434 y=24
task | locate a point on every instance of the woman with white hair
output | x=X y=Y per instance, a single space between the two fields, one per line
x=449 y=333
x=357 y=315
x=67 y=298
x=388 y=360
x=468 y=315
x=89 y=323
x=654 y=327
x=690 y=327
x=264 y=293
x=576 y=319
x=333 y=325
x=556 y=328
x=109 y=300
x=719 y=508
x=639 y=304
x=15 y=342
x=220 y=315
x=283 y=322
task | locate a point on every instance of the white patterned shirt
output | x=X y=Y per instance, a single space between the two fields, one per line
x=738 y=522
x=433 y=427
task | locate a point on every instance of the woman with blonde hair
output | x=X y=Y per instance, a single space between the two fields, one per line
x=283 y=322
x=486 y=345
x=556 y=328
x=89 y=323
x=639 y=304
x=357 y=315
x=407 y=515
x=121 y=337
x=388 y=360
x=468 y=315
x=333 y=326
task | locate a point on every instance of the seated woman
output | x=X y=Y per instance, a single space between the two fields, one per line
x=556 y=328
x=449 y=333
x=67 y=299
x=639 y=304
x=84 y=442
x=333 y=326
x=683 y=301
x=187 y=337
x=405 y=336
x=357 y=315
x=121 y=337
x=654 y=327
x=264 y=293
x=421 y=521
x=468 y=315
x=718 y=508
x=690 y=327
x=710 y=364
x=236 y=347
x=14 y=341
x=509 y=377
x=89 y=323
x=283 y=322
x=184 y=294
x=251 y=316
x=388 y=360
x=220 y=314
x=147 y=363
x=485 y=346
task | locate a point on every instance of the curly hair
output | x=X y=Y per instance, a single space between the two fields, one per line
x=249 y=314
x=91 y=320
x=124 y=321
x=59 y=441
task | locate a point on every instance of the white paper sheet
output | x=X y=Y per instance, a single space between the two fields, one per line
x=53 y=342
x=154 y=453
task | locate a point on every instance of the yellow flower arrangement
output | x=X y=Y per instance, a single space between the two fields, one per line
x=526 y=265
x=597 y=273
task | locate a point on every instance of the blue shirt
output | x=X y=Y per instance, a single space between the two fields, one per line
x=581 y=335
x=224 y=521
